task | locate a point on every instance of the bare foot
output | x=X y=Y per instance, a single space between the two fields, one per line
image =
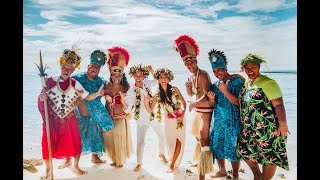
x=65 y=164
x=163 y=158
x=219 y=174
x=137 y=168
x=96 y=159
x=79 y=171
x=46 y=175
x=114 y=164
x=171 y=169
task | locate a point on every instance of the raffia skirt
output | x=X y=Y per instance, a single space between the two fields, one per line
x=117 y=142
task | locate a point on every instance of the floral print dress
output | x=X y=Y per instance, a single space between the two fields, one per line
x=258 y=141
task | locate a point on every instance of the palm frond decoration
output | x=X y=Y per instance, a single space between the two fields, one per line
x=42 y=69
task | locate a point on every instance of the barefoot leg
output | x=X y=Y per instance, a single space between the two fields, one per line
x=235 y=170
x=96 y=159
x=268 y=171
x=76 y=166
x=137 y=168
x=47 y=173
x=255 y=169
x=175 y=156
x=222 y=169
x=67 y=163
x=171 y=169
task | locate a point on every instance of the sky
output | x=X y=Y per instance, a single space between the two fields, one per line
x=148 y=28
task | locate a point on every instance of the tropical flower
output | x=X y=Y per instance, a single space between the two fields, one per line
x=271 y=159
x=256 y=94
x=263 y=144
x=173 y=110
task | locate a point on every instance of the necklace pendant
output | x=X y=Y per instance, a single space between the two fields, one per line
x=194 y=90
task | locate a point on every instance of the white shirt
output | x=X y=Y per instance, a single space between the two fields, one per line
x=144 y=115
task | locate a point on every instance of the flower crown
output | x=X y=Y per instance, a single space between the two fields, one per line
x=251 y=58
x=70 y=57
x=167 y=72
x=143 y=69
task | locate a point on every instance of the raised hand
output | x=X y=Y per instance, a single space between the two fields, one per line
x=223 y=87
x=189 y=84
x=43 y=96
x=123 y=97
x=150 y=69
x=211 y=96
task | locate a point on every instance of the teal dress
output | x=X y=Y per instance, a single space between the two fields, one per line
x=258 y=139
x=98 y=121
x=225 y=122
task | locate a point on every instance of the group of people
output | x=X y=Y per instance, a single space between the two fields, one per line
x=233 y=118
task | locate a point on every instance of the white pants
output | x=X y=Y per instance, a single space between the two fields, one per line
x=141 y=134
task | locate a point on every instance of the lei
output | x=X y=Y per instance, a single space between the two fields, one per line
x=138 y=103
x=173 y=108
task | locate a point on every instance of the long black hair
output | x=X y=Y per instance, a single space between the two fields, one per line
x=163 y=96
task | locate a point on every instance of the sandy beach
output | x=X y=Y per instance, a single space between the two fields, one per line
x=152 y=168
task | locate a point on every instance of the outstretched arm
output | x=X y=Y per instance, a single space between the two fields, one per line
x=93 y=96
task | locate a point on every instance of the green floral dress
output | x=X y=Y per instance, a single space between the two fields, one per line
x=258 y=141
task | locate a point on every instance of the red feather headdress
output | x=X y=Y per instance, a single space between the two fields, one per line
x=118 y=58
x=187 y=47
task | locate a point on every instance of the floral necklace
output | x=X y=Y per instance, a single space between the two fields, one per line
x=138 y=103
x=173 y=108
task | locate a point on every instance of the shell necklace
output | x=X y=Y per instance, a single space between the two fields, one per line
x=194 y=86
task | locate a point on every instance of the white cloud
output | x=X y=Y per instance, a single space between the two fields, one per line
x=148 y=34
x=254 y=5
x=205 y=11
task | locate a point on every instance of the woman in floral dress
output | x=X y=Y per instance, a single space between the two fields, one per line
x=264 y=135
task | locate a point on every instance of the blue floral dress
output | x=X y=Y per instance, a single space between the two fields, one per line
x=258 y=140
x=225 y=122
x=98 y=120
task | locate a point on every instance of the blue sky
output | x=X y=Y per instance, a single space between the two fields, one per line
x=147 y=29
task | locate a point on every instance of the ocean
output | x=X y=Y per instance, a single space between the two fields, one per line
x=32 y=121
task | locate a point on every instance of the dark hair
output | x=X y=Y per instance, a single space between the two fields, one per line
x=124 y=81
x=163 y=96
x=220 y=53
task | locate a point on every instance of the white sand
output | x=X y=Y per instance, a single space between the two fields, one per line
x=152 y=167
